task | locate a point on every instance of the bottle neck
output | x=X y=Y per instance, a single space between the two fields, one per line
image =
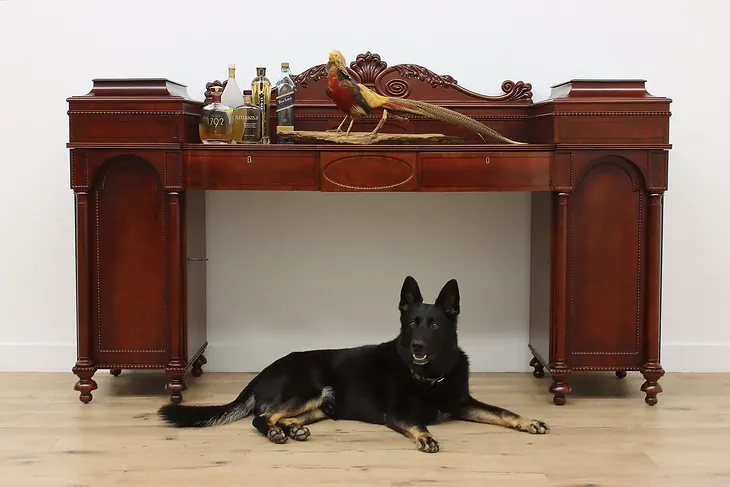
x=248 y=99
x=231 y=73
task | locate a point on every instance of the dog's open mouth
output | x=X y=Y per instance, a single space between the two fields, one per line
x=420 y=359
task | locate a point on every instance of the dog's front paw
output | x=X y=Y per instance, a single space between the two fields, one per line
x=532 y=426
x=427 y=444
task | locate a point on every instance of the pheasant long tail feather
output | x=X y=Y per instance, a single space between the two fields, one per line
x=443 y=114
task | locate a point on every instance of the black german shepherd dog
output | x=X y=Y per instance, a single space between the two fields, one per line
x=404 y=384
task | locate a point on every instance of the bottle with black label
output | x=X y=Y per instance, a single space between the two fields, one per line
x=285 y=104
x=261 y=88
x=247 y=121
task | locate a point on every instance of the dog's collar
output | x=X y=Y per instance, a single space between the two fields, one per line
x=420 y=378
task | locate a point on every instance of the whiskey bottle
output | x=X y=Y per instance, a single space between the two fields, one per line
x=232 y=94
x=216 y=121
x=261 y=88
x=247 y=121
x=285 y=104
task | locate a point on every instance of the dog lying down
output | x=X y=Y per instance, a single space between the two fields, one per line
x=405 y=384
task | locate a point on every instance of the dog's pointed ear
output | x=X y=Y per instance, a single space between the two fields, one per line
x=410 y=295
x=448 y=299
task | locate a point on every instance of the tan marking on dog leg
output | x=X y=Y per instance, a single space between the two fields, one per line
x=293 y=418
x=304 y=419
x=295 y=427
x=420 y=435
x=479 y=412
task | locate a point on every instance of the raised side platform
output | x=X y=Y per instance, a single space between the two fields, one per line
x=595 y=157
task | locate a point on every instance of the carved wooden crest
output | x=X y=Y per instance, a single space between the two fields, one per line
x=402 y=80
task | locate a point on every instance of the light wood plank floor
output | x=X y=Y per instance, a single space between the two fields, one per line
x=604 y=436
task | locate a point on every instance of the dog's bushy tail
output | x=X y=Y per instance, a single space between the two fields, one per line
x=186 y=416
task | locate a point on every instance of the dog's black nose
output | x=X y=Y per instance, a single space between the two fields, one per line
x=418 y=346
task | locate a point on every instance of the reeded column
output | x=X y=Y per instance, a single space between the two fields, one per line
x=652 y=370
x=84 y=367
x=559 y=370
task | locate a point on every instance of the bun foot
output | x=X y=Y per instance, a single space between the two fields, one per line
x=559 y=400
x=175 y=385
x=85 y=383
x=115 y=372
x=197 y=369
x=621 y=374
x=539 y=371
x=559 y=388
x=651 y=387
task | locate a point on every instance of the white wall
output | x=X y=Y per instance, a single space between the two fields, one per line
x=264 y=298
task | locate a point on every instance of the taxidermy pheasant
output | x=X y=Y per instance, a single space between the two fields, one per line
x=357 y=100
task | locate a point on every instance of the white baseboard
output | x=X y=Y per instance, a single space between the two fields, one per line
x=226 y=357
x=696 y=357
x=37 y=357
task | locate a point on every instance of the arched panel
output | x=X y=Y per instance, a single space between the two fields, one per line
x=606 y=240
x=128 y=251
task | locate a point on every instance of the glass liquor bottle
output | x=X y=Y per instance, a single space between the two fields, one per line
x=261 y=88
x=216 y=121
x=285 y=104
x=232 y=93
x=247 y=121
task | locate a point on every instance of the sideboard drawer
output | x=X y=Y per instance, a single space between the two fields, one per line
x=481 y=171
x=251 y=169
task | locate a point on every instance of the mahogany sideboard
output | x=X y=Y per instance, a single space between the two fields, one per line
x=595 y=158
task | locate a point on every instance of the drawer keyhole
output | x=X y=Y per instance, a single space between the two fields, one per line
x=486 y=160
x=248 y=159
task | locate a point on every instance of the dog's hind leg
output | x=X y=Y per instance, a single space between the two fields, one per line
x=479 y=412
x=288 y=419
x=295 y=427
x=322 y=407
x=268 y=429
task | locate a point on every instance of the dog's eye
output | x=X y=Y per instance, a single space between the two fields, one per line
x=412 y=324
x=435 y=325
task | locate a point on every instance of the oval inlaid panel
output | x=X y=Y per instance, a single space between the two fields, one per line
x=369 y=172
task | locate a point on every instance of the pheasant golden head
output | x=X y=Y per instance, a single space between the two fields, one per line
x=337 y=59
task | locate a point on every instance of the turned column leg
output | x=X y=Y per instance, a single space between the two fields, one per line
x=84 y=367
x=85 y=370
x=559 y=368
x=539 y=371
x=176 y=366
x=197 y=369
x=652 y=370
